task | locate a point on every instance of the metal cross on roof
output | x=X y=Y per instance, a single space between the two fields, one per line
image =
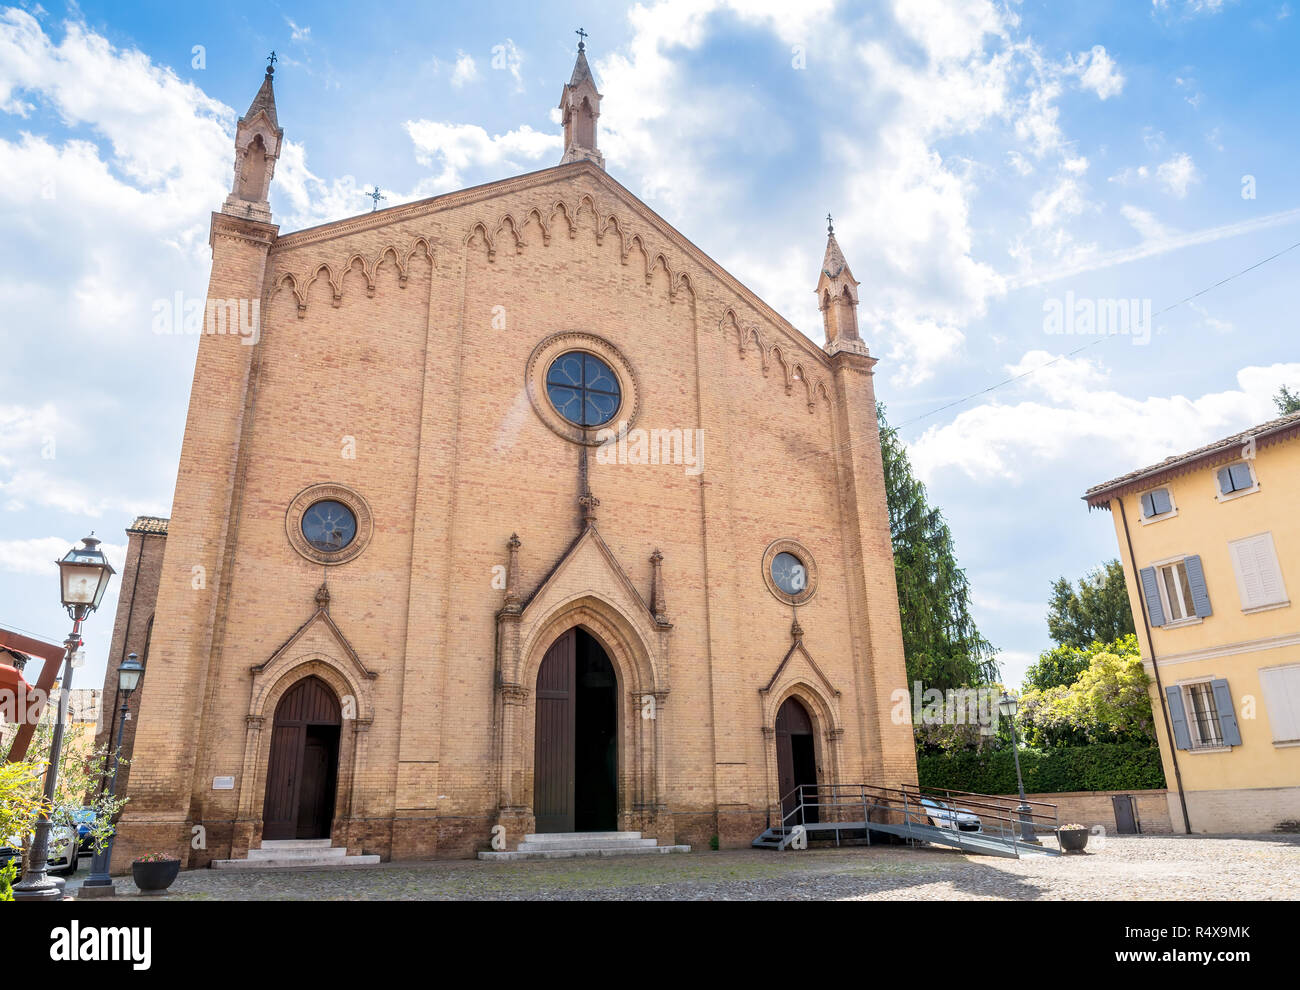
x=270 y=63
x=376 y=196
x=582 y=39
x=830 y=224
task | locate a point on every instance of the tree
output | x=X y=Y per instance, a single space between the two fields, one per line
x=1059 y=667
x=1287 y=401
x=1098 y=612
x=1107 y=703
x=942 y=646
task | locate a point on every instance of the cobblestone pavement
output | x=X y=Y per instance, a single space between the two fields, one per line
x=1124 y=868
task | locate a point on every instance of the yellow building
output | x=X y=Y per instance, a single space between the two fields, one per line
x=1210 y=542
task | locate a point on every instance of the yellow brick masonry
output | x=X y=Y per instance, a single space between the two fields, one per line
x=409 y=357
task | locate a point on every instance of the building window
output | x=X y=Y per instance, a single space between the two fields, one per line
x=789 y=571
x=1156 y=504
x=329 y=526
x=583 y=389
x=1282 y=700
x=1236 y=479
x=1202 y=716
x=1176 y=592
x=1259 y=577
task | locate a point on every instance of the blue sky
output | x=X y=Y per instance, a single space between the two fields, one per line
x=984 y=162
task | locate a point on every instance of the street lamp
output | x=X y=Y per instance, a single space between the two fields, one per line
x=99 y=883
x=1008 y=705
x=84 y=573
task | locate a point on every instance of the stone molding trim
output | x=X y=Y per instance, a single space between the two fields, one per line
x=539 y=362
x=514 y=232
x=774 y=353
x=244 y=229
x=308 y=497
x=356 y=264
x=809 y=563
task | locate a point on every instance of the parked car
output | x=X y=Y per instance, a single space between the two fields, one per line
x=84 y=820
x=941 y=815
x=64 y=850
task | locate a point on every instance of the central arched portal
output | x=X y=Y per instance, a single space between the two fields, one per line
x=575 y=775
x=302 y=774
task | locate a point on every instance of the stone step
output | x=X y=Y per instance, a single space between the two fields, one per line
x=566 y=836
x=527 y=846
x=297 y=863
x=297 y=844
x=577 y=853
x=297 y=852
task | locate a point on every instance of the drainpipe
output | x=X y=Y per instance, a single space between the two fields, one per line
x=1160 y=688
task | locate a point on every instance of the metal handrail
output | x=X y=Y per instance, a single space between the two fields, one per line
x=870 y=797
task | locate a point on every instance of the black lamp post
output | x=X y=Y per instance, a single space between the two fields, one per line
x=99 y=883
x=84 y=573
x=1008 y=706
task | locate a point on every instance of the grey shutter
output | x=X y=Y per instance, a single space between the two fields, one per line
x=1151 y=591
x=1178 y=716
x=1225 y=481
x=1196 y=578
x=1241 y=477
x=1227 y=717
x=1160 y=503
x=1148 y=505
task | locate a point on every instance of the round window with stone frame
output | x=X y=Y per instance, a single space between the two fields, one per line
x=328 y=523
x=583 y=389
x=789 y=571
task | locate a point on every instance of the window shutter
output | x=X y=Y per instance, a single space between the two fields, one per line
x=1227 y=717
x=1151 y=592
x=1160 y=501
x=1225 y=481
x=1258 y=575
x=1148 y=505
x=1282 y=699
x=1241 y=476
x=1196 y=579
x=1178 y=716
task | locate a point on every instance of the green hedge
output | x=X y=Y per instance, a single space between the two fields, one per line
x=1100 y=767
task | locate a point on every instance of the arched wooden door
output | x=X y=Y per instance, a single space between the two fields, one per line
x=796 y=757
x=575 y=752
x=302 y=774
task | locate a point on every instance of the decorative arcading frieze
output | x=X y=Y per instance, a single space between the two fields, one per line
x=773 y=353
x=514 y=228
x=356 y=264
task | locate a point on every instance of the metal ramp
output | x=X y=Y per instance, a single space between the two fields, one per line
x=910 y=813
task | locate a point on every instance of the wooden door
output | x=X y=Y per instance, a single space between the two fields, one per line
x=300 y=776
x=796 y=762
x=553 y=756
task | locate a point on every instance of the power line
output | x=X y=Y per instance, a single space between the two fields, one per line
x=1068 y=354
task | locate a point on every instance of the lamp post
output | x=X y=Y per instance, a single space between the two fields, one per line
x=99 y=883
x=84 y=574
x=1008 y=706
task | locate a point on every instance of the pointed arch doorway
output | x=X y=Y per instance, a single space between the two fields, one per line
x=301 y=778
x=796 y=755
x=575 y=775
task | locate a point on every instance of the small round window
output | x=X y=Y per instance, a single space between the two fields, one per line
x=583 y=389
x=789 y=573
x=329 y=526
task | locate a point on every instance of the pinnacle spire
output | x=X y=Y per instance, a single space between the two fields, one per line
x=837 y=294
x=265 y=98
x=579 y=108
x=257 y=147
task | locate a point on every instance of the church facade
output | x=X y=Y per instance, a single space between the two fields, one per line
x=513 y=509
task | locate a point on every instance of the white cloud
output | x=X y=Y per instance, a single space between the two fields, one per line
x=38 y=555
x=1177 y=174
x=465 y=71
x=297 y=33
x=1098 y=72
x=1145 y=223
x=508 y=56
x=1070 y=416
x=460 y=147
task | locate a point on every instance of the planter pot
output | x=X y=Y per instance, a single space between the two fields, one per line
x=154 y=878
x=1072 y=839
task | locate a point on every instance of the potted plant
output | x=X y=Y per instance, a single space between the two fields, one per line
x=155 y=872
x=1073 y=837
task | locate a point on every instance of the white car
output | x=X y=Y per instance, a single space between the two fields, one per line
x=63 y=850
x=943 y=816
